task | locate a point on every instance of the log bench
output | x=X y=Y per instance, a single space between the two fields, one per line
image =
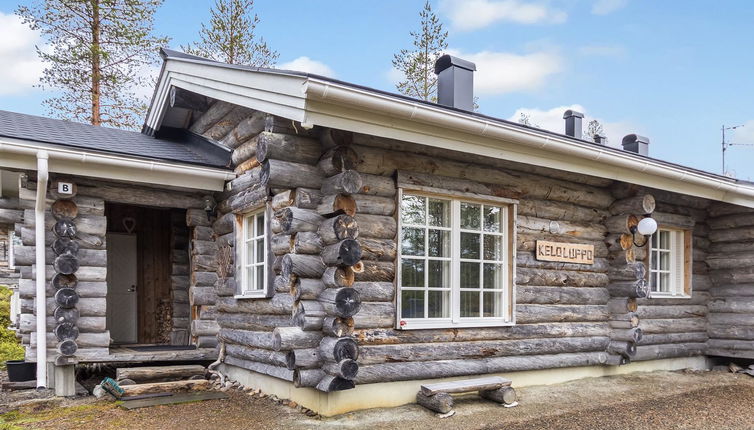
x=437 y=397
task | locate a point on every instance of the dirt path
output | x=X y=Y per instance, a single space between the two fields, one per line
x=657 y=400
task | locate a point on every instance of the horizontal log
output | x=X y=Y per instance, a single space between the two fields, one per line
x=336 y=204
x=336 y=277
x=519 y=331
x=204 y=328
x=374 y=205
x=540 y=295
x=442 y=403
x=684 y=325
x=339 y=228
x=307 y=377
x=260 y=355
x=376 y=271
x=246 y=129
x=286 y=147
x=252 y=322
x=293 y=219
x=528 y=260
x=736 y=319
x=583 y=231
x=376 y=291
x=337 y=349
x=344 y=253
x=742 y=332
x=377 y=185
x=306 y=242
x=656 y=352
x=447 y=368
x=306 y=358
x=308 y=198
x=159 y=373
x=330 y=383
x=340 y=302
x=288 y=338
x=279 y=304
x=284 y=174
x=305 y=266
x=480 y=349
x=375 y=315
x=527 y=314
x=639 y=205
x=665 y=338
x=279 y=372
x=346 y=369
x=672 y=311
x=550 y=277
x=744 y=305
x=256 y=339
x=560 y=211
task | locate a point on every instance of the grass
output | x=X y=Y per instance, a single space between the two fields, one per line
x=10 y=347
x=88 y=413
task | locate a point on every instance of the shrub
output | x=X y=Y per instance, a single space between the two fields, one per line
x=10 y=347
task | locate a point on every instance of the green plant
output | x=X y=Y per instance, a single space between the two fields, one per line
x=10 y=347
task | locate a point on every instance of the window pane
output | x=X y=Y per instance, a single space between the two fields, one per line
x=493 y=276
x=653 y=281
x=470 y=245
x=469 y=275
x=493 y=247
x=664 y=282
x=438 y=304
x=249 y=227
x=439 y=213
x=655 y=243
x=413 y=241
x=492 y=218
x=260 y=250
x=439 y=243
x=250 y=279
x=470 y=216
x=469 y=304
x=439 y=274
x=412 y=273
x=653 y=262
x=665 y=239
x=260 y=278
x=493 y=305
x=249 y=253
x=412 y=304
x=413 y=209
x=664 y=261
x=260 y=224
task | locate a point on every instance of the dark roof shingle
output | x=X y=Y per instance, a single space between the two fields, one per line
x=174 y=145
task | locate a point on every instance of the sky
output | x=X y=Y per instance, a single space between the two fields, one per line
x=673 y=71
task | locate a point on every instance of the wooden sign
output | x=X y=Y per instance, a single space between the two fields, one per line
x=565 y=252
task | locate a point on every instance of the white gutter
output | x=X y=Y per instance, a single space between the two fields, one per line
x=135 y=165
x=39 y=248
x=343 y=94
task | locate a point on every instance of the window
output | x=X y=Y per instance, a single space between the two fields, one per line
x=454 y=262
x=669 y=263
x=253 y=255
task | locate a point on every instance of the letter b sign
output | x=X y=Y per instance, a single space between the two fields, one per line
x=65 y=188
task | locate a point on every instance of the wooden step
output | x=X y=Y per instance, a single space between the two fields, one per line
x=166 y=387
x=159 y=373
x=466 y=385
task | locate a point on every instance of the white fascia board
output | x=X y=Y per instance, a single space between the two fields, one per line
x=21 y=154
x=275 y=93
x=339 y=106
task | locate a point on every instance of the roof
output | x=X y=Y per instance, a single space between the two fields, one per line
x=172 y=145
x=319 y=100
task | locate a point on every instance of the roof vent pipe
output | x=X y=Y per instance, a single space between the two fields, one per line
x=455 y=82
x=600 y=139
x=573 y=123
x=636 y=143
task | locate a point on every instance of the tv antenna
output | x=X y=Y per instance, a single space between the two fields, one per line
x=726 y=145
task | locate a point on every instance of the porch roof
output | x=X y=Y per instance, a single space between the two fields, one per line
x=170 y=145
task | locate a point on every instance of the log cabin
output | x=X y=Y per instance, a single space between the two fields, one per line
x=339 y=245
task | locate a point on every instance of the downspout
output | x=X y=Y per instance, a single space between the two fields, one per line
x=39 y=248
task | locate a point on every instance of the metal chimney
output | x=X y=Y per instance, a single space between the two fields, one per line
x=636 y=143
x=573 y=123
x=600 y=139
x=455 y=82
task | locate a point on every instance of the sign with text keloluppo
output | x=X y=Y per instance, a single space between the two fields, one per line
x=565 y=252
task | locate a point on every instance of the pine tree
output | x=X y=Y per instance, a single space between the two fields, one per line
x=417 y=65
x=99 y=51
x=593 y=129
x=230 y=37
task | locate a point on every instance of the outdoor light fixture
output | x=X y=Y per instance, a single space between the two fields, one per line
x=646 y=227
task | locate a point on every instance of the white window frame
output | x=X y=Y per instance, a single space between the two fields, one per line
x=679 y=272
x=508 y=262
x=246 y=261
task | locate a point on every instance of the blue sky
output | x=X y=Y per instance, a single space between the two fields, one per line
x=674 y=71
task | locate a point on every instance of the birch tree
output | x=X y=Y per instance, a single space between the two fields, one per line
x=98 y=57
x=230 y=36
x=593 y=129
x=417 y=64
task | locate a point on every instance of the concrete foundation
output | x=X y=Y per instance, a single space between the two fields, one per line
x=64 y=380
x=391 y=394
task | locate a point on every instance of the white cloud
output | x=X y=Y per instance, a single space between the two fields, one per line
x=467 y=15
x=21 y=67
x=604 y=7
x=306 y=64
x=552 y=119
x=503 y=72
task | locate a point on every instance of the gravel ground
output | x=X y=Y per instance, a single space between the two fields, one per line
x=657 y=400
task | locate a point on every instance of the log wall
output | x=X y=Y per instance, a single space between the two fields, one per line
x=731 y=307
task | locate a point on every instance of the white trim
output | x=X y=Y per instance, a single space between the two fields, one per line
x=241 y=292
x=676 y=270
x=20 y=154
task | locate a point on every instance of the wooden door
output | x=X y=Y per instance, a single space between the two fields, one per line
x=122 y=296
